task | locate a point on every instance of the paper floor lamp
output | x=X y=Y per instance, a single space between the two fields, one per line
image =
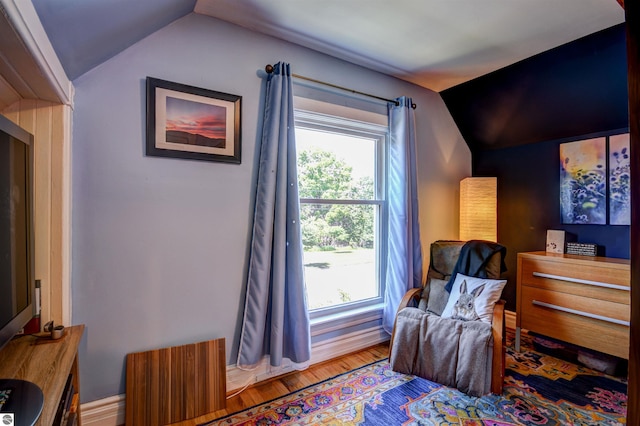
x=479 y=209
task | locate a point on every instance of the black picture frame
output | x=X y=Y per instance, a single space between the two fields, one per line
x=192 y=123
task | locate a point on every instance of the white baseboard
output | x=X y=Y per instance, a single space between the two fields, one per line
x=343 y=345
x=321 y=351
x=104 y=412
x=110 y=411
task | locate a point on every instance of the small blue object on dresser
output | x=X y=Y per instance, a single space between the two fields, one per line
x=582 y=249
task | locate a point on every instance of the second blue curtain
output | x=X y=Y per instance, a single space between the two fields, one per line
x=404 y=265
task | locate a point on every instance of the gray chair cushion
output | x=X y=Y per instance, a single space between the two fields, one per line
x=438 y=296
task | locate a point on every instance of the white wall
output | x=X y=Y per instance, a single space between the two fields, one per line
x=160 y=246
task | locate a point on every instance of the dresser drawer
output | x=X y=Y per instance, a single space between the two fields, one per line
x=609 y=311
x=576 y=319
x=595 y=281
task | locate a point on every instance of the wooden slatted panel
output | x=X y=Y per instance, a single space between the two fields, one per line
x=177 y=381
x=164 y=386
x=174 y=384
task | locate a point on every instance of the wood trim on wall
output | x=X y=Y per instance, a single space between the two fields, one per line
x=35 y=63
x=632 y=11
x=50 y=124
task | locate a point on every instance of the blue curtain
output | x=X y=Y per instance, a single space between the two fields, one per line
x=276 y=321
x=404 y=265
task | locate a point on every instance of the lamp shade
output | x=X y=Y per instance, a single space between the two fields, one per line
x=478 y=209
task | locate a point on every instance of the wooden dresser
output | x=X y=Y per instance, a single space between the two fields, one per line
x=582 y=300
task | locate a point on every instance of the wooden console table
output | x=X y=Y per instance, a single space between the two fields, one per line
x=582 y=300
x=47 y=363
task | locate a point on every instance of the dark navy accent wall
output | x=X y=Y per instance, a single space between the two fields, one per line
x=514 y=120
x=529 y=204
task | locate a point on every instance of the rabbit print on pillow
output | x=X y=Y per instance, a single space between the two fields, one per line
x=465 y=307
x=483 y=300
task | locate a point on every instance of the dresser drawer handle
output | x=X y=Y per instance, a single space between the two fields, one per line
x=580 y=281
x=581 y=313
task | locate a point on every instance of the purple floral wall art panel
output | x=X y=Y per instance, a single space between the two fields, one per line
x=619 y=180
x=583 y=186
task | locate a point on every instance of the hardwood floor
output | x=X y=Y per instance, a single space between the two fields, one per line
x=282 y=385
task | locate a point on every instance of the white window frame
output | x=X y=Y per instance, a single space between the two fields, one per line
x=357 y=123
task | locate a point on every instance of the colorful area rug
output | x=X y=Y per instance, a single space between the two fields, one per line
x=539 y=390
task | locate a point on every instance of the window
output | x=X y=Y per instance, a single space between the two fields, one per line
x=342 y=209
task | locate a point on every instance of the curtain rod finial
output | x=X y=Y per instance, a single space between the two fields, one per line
x=269 y=68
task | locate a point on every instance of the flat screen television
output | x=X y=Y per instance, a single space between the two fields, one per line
x=17 y=283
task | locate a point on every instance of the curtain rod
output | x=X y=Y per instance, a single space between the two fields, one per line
x=269 y=70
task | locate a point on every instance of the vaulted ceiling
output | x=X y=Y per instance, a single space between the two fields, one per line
x=433 y=43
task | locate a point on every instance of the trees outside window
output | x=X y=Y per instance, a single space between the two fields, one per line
x=341 y=189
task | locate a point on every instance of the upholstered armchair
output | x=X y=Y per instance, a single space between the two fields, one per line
x=436 y=336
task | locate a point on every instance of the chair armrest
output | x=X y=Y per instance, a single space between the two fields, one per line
x=497 y=362
x=413 y=294
x=410 y=295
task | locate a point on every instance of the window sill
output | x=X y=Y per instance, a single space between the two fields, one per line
x=342 y=320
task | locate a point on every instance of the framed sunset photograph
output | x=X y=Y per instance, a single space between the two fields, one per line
x=192 y=123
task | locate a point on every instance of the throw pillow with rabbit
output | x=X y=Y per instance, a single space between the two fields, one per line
x=465 y=307
x=472 y=294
